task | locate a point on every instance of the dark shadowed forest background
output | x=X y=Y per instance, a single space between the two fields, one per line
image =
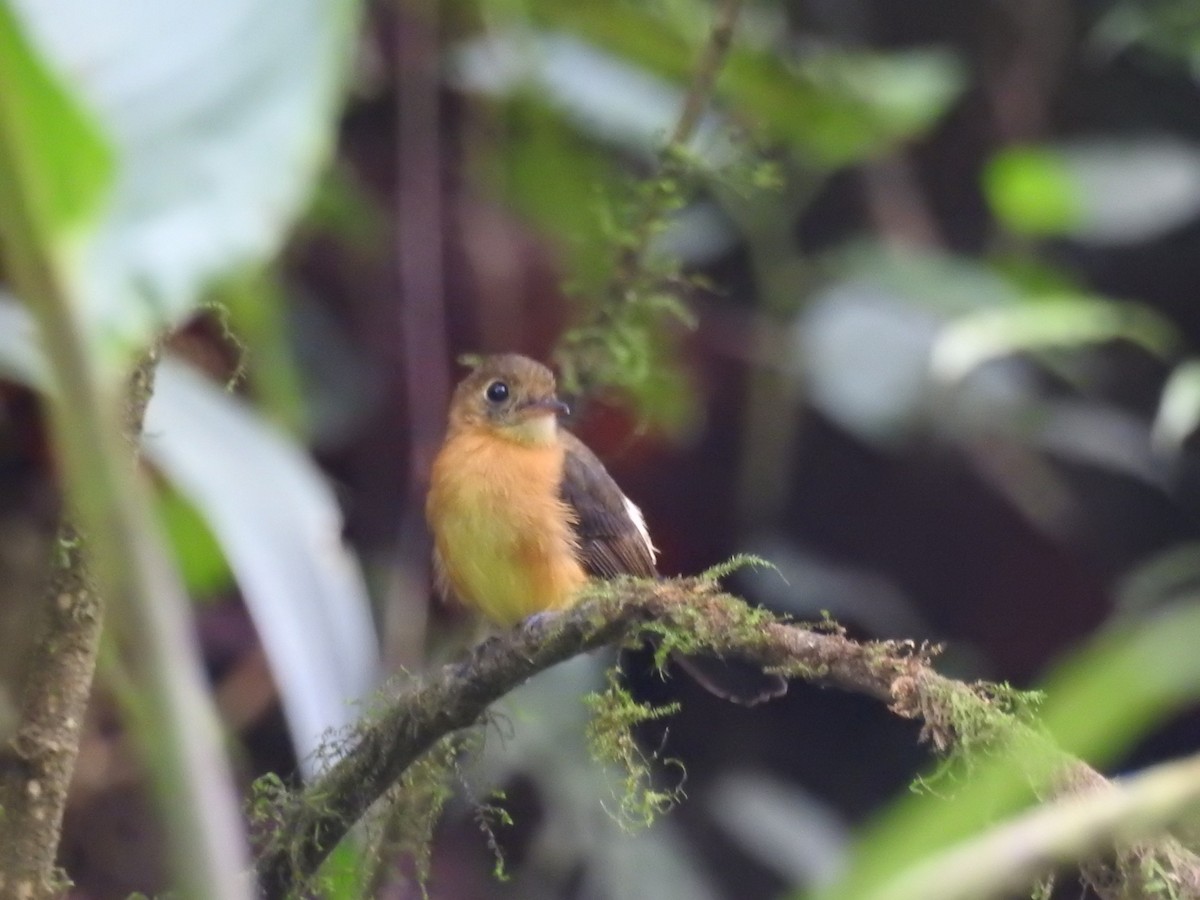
x=912 y=315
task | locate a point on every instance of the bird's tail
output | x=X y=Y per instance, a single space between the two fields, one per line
x=735 y=680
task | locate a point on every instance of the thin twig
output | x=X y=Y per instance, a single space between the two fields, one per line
x=699 y=94
x=581 y=353
x=704 y=78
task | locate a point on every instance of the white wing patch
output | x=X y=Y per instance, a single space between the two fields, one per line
x=639 y=522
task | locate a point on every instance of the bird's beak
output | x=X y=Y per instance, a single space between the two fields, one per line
x=549 y=404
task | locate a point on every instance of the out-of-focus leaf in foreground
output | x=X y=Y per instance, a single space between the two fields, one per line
x=1099 y=703
x=836 y=107
x=218 y=116
x=1062 y=322
x=278 y=524
x=1178 y=415
x=48 y=146
x=1104 y=191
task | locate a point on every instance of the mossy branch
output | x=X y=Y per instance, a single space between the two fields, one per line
x=900 y=674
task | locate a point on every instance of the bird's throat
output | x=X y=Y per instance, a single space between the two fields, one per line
x=540 y=429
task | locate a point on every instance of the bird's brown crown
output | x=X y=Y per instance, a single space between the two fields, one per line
x=510 y=394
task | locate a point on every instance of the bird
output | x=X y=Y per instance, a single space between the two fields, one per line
x=522 y=513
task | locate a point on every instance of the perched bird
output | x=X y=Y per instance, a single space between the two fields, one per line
x=523 y=513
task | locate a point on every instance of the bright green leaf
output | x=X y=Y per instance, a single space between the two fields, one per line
x=556 y=180
x=343 y=874
x=197 y=553
x=1102 y=190
x=49 y=149
x=850 y=106
x=1031 y=191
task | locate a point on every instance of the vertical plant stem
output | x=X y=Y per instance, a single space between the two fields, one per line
x=704 y=78
x=699 y=94
x=36 y=765
x=175 y=723
x=587 y=358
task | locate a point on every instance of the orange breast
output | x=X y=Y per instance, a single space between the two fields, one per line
x=503 y=534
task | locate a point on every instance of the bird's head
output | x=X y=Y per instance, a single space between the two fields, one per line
x=512 y=395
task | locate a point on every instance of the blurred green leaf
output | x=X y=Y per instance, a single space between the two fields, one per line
x=212 y=162
x=1030 y=190
x=1178 y=414
x=841 y=107
x=1104 y=190
x=1169 y=576
x=632 y=32
x=343 y=207
x=1099 y=703
x=555 y=179
x=48 y=145
x=1170 y=28
x=342 y=874
x=1050 y=323
x=197 y=553
x=47 y=141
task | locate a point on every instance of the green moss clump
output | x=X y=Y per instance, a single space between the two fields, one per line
x=735 y=563
x=611 y=741
x=1003 y=696
x=409 y=812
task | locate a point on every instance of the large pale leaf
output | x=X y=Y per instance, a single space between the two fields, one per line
x=218 y=114
x=278 y=523
x=1178 y=416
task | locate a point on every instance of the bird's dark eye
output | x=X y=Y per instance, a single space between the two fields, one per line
x=497 y=392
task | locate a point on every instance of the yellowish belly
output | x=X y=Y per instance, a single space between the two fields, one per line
x=504 y=537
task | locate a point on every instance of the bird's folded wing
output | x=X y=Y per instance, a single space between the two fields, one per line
x=612 y=536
